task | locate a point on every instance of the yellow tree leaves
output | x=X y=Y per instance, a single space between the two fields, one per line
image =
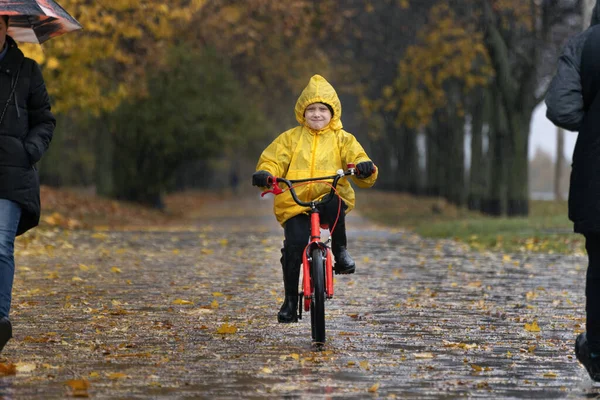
x=449 y=51
x=515 y=14
x=96 y=68
x=271 y=43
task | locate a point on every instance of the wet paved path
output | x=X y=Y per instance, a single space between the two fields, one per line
x=190 y=312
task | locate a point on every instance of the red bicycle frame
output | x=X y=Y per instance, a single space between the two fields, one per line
x=315 y=241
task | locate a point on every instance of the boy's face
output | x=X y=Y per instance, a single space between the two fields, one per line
x=317 y=116
x=3 y=29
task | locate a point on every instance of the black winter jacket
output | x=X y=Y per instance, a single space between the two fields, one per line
x=25 y=132
x=564 y=100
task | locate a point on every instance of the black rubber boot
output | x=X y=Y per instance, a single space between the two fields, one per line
x=5 y=332
x=591 y=361
x=291 y=259
x=344 y=264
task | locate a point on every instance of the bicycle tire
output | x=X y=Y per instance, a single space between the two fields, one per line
x=317 y=307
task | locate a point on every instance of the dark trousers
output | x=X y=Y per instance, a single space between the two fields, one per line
x=592 y=291
x=297 y=229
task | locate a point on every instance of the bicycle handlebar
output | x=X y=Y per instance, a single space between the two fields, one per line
x=289 y=183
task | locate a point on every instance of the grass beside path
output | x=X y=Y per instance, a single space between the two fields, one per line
x=546 y=230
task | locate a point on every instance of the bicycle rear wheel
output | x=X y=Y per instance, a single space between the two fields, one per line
x=317 y=306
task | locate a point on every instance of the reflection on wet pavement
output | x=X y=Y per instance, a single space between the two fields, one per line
x=190 y=312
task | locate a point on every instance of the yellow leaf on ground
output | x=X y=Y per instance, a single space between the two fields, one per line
x=550 y=375
x=101 y=236
x=25 y=367
x=423 y=355
x=79 y=387
x=52 y=275
x=8 y=369
x=533 y=327
x=267 y=370
x=226 y=329
x=364 y=364
x=117 y=375
x=374 y=388
x=116 y=270
x=78 y=384
x=207 y=251
x=214 y=304
x=182 y=302
x=217 y=294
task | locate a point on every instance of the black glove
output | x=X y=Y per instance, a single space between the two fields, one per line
x=365 y=169
x=260 y=178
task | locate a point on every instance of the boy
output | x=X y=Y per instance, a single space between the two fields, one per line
x=317 y=147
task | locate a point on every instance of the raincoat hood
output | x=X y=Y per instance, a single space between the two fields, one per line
x=319 y=90
x=595 y=15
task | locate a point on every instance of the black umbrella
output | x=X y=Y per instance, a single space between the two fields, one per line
x=36 y=21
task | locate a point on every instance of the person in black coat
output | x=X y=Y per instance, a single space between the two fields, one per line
x=574 y=104
x=26 y=128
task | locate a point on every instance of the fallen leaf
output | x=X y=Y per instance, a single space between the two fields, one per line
x=226 y=329
x=533 y=327
x=25 y=367
x=79 y=387
x=116 y=375
x=423 y=355
x=182 y=302
x=8 y=369
x=374 y=388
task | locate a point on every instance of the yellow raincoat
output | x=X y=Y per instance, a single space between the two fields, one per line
x=302 y=152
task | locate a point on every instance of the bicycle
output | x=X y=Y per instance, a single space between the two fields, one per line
x=317 y=258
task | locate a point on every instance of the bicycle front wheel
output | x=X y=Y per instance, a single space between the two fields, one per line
x=317 y=305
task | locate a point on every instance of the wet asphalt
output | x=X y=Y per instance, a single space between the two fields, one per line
x=189 y=311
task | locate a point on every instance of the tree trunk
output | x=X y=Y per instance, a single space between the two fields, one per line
x=408 y=164
x=495 y=203
x=433 y=165
x=455 y=149
x=384 y=151
x=477 y=169
x=560 y=161
x=104 y=158
x=518 y=172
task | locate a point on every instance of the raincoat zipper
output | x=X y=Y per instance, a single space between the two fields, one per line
x=312 y=163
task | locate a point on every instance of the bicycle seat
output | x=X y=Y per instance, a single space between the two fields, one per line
x=324 y=226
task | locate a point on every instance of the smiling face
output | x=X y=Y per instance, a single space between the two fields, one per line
x=3 y=29
x=317 y=116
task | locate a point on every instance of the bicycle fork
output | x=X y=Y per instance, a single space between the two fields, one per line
x=307 y=292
